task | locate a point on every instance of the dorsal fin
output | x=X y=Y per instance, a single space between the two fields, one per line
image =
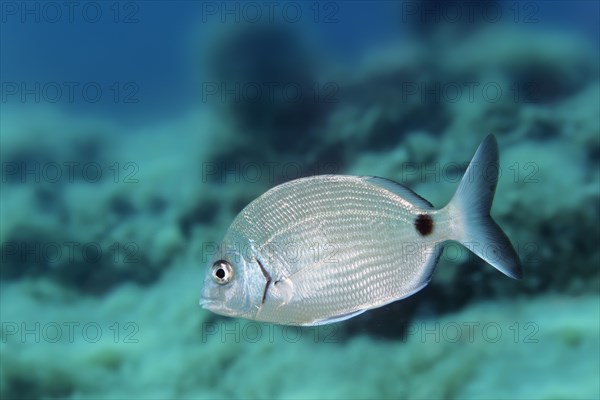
x=400 y=190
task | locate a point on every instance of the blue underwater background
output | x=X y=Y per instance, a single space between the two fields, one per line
x=132 y=133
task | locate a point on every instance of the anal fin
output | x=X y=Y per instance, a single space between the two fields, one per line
x=336 y=318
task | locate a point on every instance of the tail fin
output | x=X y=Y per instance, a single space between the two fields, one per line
x=470 y=207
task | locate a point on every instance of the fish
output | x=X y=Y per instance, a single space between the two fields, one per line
x=326 y=248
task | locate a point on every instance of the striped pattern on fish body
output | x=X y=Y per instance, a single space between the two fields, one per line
x=340 y=242
x=326 y=248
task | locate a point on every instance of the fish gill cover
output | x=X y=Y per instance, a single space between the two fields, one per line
x=132 y=133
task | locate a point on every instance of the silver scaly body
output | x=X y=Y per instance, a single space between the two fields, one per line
x=323 y=249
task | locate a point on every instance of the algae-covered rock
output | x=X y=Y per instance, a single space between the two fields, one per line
x=92 y=212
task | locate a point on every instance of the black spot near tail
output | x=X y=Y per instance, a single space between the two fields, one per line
x=424 y=224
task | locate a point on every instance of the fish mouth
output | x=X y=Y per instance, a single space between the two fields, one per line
x=214 y=305
x=207 y=302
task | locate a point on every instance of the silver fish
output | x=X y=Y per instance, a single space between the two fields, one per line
x=326 y=248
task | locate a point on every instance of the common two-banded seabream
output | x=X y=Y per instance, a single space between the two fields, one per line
x=326 y=248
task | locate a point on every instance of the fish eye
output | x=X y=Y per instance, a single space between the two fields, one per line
x=222 y=272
